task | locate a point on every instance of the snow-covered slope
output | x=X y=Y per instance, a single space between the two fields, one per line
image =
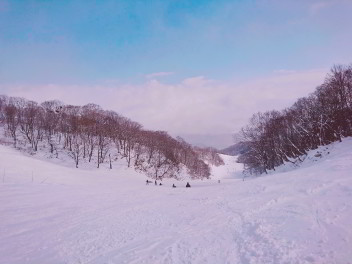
x=67 y=215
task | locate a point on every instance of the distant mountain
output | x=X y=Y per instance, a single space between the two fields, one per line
x=236 y=149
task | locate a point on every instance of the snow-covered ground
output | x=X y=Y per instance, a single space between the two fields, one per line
x=51 y=213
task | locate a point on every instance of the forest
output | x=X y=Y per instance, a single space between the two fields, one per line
x=90 y=134
x=325 y=116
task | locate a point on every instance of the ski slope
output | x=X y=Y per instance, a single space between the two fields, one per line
x=52 y=213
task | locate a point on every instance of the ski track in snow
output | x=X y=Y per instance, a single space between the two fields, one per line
x=67 y=215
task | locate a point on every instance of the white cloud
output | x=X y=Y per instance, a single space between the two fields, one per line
x=284 y=71
x=196 y=105
x=158 y=74
x=318 y=6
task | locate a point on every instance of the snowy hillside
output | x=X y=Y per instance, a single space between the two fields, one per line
x=56 y=214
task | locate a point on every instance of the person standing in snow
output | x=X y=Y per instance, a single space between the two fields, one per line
x=188 y=185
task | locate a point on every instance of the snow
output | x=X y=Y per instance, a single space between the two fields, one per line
x=52 y=213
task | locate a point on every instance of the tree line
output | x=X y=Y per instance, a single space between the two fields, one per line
x=325 y=116
x=90 y=134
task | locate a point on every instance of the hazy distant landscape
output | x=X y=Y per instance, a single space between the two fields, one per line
x=218 y=141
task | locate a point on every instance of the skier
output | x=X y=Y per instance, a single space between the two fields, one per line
x=173 y=186
x=188 y=185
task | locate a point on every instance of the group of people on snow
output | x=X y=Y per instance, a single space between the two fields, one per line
x=160 y=184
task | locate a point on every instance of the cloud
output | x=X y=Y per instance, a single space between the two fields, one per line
x=195 y=105
x=196 y=81
x=318 y=6
x=158 y=74
x=283 y=71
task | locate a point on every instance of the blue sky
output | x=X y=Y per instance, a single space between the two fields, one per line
x=82 y=45
x=93 y=41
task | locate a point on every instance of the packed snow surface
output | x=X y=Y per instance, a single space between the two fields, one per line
x=50 y=213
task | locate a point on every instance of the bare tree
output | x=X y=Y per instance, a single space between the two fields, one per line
x=76 y=151
x=11 y=121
